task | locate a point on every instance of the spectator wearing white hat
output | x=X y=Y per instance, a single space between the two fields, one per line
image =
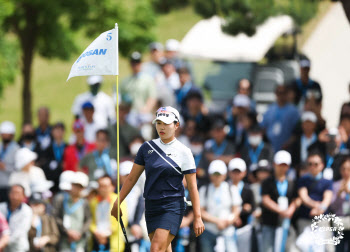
x=306 y=141
x=279 y=202
x=104 y=112
x=237 y=171
x=73 y=216
x=241 y=106
x=19 y=218
x=28 y=175
x=220 y=205
x=172 y=47
x=8 y=149
x=140 y=90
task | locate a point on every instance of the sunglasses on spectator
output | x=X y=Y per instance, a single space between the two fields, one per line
x=312 y=164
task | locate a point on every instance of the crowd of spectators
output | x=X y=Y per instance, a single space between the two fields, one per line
x=261 y=182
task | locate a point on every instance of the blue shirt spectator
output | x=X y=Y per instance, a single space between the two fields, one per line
x=280 y=119
x=314 y=191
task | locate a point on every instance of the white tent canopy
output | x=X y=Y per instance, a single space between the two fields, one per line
x=207 y=41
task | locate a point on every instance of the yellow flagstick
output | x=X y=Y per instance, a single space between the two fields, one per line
x=117 y=90
x=118 y=185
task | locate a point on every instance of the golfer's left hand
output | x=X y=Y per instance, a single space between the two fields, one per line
x=114 y=211
x=198 y=226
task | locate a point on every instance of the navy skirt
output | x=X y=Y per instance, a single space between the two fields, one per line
x=165 y=213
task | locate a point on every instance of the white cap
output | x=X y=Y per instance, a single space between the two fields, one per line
x=94 y=79
x=125 y=168
x=172 y=45
x=218 y=166
x=66 y=180
x=41 y=186
x=167 y=115
x=283 y=157
x=7 y=127
x=305 y=63
x=80 y=178
x=237 y=163
x=241 y=100
x=23 y=157
x=309 y=116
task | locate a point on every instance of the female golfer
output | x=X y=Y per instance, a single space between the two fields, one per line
x=166 y=161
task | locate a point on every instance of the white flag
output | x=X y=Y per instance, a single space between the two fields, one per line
x=100 y=58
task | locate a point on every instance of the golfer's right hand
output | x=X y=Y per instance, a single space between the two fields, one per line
x=114 y=211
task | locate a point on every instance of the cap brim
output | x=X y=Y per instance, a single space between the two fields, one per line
x=236 y=169
x=166 y=120
x=65 y=186
x=280 y=163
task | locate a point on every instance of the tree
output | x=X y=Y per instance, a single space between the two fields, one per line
x=49 y=27
x=245 y=15
x=8 y=52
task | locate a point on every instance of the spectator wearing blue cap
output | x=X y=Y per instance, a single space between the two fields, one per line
x=90 y=125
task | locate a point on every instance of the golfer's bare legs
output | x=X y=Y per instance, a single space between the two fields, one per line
x=161 y=240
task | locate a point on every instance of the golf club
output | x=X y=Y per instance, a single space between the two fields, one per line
x=127 y=245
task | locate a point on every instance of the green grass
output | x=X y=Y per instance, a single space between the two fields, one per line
x=49 y=85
